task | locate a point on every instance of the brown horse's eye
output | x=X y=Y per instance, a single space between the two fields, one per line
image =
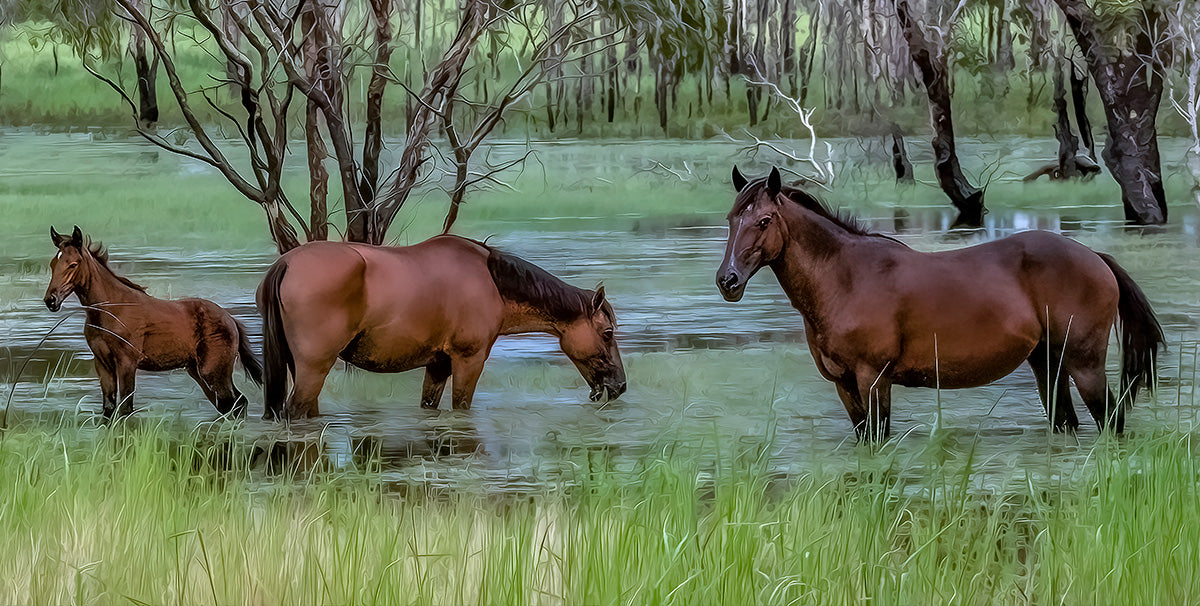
x=608 y=334
x=764 y=222
x=73 y=265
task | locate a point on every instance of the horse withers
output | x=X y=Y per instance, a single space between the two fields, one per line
x=440 y=304
x=129 y=330
x=878 y=313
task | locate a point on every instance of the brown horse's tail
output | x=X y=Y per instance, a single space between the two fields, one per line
x=250 y=362
x=277 y=354
x=1140 y=334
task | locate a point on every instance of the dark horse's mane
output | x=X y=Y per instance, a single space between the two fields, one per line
x=99 y=253
x=523 y=282
x=840 y=218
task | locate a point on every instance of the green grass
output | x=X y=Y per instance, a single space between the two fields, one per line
x=143 y=513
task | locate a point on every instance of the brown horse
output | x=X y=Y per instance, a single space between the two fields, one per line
x=439 y=304
x=877 y=313
x=128 y=330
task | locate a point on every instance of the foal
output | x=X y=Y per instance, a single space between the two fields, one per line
x=128 y=330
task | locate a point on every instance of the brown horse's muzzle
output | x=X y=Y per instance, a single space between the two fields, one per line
x=608 y=390
x=53 y=301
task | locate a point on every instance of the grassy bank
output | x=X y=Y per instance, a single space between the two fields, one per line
x=145 y=514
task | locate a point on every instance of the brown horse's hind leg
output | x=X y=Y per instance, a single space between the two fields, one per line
x=466 y=371
x=1046 y=364
x=436 y=375
x=1092 y=384
x=310 y=379
x=869 y=424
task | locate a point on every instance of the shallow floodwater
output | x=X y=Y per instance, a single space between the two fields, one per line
x=706 y=376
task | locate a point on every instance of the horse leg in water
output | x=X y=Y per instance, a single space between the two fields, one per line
x=215 y=375
x=310 y=378
x=1086 y=366
x=875 y=390
x=126 y=377
x=1054 y=388
x=466 y=370
x=436 y=375
x=848 y=392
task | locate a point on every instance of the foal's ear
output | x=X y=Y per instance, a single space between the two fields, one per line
x=598 y=299
x=77 y=238
x=774 y=182
x=739 y=182
x=57 y=238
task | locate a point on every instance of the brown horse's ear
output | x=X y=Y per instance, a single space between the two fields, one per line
x=774 y=182
x=77 y=237
x=739 y=182
x=57 y=238
x=598 y=299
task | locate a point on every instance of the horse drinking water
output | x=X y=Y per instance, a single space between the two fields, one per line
x=877 y=313
x=128 y=330
x=439 y=304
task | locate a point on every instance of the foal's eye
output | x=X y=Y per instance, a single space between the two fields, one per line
x=73 y=265
x=608 y=334
x=764 y=222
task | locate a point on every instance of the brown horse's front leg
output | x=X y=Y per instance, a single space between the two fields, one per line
x=126 y=377
x=466 y=373
x=436 y=375
x=108 y=386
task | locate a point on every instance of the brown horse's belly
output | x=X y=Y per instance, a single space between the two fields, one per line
x=968 y=369
x=397 y=356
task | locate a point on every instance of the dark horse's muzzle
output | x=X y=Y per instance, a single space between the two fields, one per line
x=731 y=285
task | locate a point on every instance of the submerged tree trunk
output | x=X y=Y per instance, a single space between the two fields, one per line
x=904 y=169
x=1068 y=143
x=146 y=66
x=931 y=61
x=1079 y=101
x=1130 y=84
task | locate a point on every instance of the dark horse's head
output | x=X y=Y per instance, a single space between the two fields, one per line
x=756 y=232
x=65 y=268
x=591 y=344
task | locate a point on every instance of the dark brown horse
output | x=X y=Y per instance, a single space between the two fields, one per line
x=877 y=313
x=128 y=330
x=439 y=304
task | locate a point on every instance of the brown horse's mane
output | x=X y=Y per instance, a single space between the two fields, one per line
x=99 y=253
x=841 y=218
x=523 y=282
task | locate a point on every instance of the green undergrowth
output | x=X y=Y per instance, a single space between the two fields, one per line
x=147 y=513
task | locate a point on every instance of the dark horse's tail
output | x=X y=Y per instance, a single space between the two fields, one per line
x=250 y=362
x=1140 y=334
x=277 y=354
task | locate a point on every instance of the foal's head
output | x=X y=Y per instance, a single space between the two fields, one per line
x=590 y=343
x=756 y=232
x=67 y=268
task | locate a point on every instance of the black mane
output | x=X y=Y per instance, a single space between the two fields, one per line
x=99 y=253
x=841 y=218
x=523 y=282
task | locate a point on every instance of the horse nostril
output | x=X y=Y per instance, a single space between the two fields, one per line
x=727 y=281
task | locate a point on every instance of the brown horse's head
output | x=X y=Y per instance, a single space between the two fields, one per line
x=66 y=268
x=590 y=343
x=756 y=233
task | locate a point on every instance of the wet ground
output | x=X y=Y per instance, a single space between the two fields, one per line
x=706 y=376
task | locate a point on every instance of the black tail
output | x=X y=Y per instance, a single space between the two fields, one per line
x=250 y=362
x=1140 y=334
x=277 y=355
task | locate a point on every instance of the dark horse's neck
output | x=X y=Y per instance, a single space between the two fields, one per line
x=821 y=260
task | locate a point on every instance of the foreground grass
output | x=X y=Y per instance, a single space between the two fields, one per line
x=143 y=514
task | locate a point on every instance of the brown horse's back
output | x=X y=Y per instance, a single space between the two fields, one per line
x=363 y=303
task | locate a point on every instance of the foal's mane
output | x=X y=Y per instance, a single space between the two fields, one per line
x=841 y=218
x=523 y=282
x=99 y=253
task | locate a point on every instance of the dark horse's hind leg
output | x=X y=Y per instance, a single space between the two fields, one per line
x=436 y=375
x=1088 y=371
x=1053 y=386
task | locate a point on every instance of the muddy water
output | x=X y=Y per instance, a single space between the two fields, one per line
x=706 y=376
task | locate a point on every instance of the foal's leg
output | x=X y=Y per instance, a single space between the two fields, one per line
x=194 y=373
x=1046 y=363
x=126 y=375
x=436 y=374
x=466 y=371
x=848 y=392
x=108 y=387
x=216 y=372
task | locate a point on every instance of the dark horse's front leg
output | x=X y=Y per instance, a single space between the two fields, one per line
x=436 y=375
x=868 y=401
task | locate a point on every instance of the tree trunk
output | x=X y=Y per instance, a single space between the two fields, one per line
x=147 y=74
x=1130 y=85
x=1068 y=144
x=1079 y=101
x=931 y=62
x=904 y=169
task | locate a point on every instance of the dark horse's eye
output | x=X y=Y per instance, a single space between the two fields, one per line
x=764 y=222
x=608 y=334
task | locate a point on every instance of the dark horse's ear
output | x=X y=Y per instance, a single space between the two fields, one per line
x=739 y=182
x=57 y=238
x=77 y=238
x=774 y=182
x=598 y=298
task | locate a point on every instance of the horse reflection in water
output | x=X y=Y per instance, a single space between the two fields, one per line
x=877 y=313
x=440 y=304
